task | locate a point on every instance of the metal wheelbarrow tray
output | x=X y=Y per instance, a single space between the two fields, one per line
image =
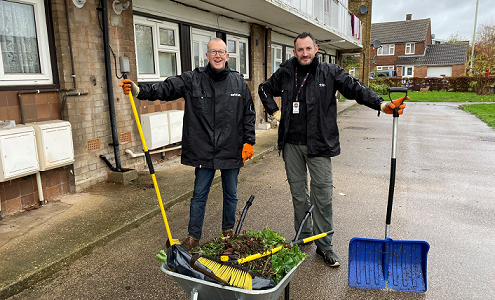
x=205 y=290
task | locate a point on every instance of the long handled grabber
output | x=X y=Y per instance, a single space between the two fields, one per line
x=171 y=241
x=374 y=263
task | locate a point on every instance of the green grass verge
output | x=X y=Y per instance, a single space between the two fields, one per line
x=443 y=97
x=484 y=112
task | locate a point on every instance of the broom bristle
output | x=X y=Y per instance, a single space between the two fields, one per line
x=234 y=275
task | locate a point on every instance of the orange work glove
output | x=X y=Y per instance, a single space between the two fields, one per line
x=388 y=107
x=247 y=152
x=128 y=85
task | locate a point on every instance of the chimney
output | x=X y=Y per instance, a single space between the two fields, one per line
x=408 y=17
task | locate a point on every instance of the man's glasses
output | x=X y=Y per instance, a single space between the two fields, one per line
x=220 y=52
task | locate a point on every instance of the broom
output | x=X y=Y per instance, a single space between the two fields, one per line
x=224 y=273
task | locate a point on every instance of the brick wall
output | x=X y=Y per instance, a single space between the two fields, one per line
x=458 y=70
x=366 y=36
x=89 y=115
x=258 y=67
x=22 y=193
x=420 y=71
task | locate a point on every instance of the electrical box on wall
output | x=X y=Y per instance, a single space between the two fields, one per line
x=175 y=118
x=155 y=129
x=18 y=152
x=54 y=143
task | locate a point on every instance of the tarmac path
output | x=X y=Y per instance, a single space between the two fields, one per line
x=444 y=195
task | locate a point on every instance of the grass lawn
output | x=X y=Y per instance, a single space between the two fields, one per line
x=435 y=96
x=484 y=112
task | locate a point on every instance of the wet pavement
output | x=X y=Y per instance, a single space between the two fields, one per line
x=101 y=244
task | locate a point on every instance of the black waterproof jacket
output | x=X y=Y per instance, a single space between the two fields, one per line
x=321 y=104
x=217 y=123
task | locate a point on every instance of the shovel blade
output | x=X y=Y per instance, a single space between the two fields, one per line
x=366 y=263
x=402 y=264
x=407 y=265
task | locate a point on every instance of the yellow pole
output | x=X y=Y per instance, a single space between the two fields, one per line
x=152 y=172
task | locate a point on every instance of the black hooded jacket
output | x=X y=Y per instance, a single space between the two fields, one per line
x=321 y=106
x=219 y=116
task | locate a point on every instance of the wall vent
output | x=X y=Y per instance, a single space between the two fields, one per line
x=93 y=144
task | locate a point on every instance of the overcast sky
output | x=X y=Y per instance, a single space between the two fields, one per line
x=447 y=16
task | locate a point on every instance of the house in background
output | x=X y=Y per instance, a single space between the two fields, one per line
x=406 y=46
x=60 y=61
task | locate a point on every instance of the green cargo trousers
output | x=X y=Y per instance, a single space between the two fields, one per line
x=320 y=194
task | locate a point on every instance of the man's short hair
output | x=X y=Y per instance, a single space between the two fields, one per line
x=217 y=39
x=303 y=36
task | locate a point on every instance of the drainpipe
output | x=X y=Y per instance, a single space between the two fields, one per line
x=266 y=64
x=108 y=68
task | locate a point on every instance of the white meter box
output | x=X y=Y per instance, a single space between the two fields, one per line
x=155 y=129
x=18 y=153
x=54 y=142
x=175 y=118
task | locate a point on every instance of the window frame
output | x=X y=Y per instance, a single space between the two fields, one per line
x=274 y=48
x=391 y=50
x=157 y=48
x=404 y=71
x=411 y=47
x=45 y=52
x=236 y=54
x=381 y=68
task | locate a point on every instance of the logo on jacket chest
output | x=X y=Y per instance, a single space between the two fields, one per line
x=235 y=95
x=322 y=85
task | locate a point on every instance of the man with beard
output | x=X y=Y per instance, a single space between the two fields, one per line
x=218 y=131
x=308 y=135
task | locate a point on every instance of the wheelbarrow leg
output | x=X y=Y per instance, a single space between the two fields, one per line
x=194 y=294
x=287 y=291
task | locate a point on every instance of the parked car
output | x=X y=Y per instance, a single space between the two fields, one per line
x=383 y=74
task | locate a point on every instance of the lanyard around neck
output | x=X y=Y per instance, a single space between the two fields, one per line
x=302 y=84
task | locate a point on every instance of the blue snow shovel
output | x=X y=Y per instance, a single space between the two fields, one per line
x=374 y=263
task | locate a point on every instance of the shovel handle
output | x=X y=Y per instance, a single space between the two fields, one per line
x=393 y=162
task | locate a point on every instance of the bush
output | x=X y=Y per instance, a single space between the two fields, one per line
x=380 y=89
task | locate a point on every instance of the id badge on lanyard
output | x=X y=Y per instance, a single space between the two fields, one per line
x=295 y=104
x=295 y=107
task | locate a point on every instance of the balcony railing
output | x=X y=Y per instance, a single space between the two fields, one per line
x=333 y=15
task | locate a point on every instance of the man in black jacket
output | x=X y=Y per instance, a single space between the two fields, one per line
x=308 y=133
x=218 y=130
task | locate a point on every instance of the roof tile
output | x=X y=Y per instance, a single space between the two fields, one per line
x=400 y=31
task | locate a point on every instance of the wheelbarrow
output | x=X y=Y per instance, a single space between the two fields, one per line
x=205 y=290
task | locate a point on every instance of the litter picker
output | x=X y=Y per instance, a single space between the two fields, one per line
x=374 y=263
x=170 y=241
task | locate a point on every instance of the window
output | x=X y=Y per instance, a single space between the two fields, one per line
x=410 y=48
x=386 y=50
x=332 y=59
x=289 y=52
x=25 y=58
x=276 y=57
x=380 y=68
x=157 y=49
x=200 y=41
x=238 y=54
x=407 y=71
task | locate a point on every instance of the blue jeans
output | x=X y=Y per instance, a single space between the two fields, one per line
x=202 y=185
